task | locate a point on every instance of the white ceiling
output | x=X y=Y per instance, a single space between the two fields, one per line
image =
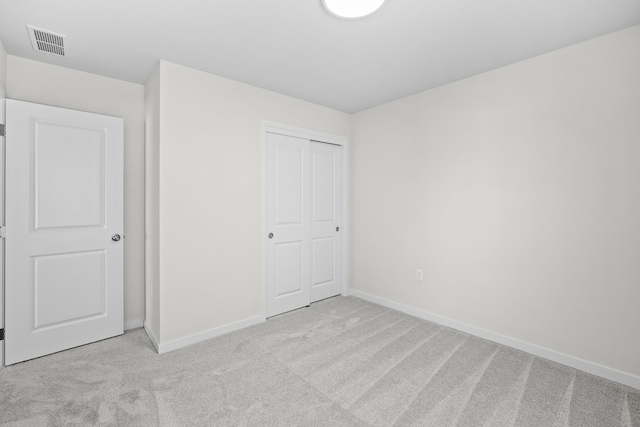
x=296 y=48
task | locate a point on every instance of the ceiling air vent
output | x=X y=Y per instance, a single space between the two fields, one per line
x=46 y=41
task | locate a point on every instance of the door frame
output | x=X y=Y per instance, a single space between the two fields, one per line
x=2 y=224
x=329 y=138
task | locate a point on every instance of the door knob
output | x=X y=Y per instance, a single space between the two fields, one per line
x=115 y=237
x=271 y=235
x=337 y=228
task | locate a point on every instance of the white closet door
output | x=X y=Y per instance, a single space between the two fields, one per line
x=303 y=196
x=288 y=218
x=64 y=217
x=326 y=200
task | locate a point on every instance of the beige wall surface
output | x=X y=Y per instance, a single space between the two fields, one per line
x=211 y=195
x=33 y=81
x=517 y=192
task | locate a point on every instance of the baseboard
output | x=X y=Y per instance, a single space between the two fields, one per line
x=202 y=336
x=152 y=337
x=133 y=324
x=564 y=359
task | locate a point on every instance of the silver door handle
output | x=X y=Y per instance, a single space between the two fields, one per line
x=115 y=237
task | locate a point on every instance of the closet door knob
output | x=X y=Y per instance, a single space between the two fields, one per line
x=271 y=235
x=115 y=237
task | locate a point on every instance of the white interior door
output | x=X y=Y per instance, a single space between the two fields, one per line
x=288 y=220
x=303 y=209
x=64 y=222
x=326 y=200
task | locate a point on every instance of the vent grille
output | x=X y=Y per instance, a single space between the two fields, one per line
x=46 y=41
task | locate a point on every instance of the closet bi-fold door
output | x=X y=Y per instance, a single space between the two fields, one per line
x=302 y=217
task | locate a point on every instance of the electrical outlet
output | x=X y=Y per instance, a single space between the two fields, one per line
x=419 y=274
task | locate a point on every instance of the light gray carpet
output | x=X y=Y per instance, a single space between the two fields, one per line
x=340 y=362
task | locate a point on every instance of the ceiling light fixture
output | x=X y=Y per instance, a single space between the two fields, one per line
x=352 y=8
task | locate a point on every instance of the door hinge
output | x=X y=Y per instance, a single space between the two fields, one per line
x=2 y=232
x=2 y=130
x=1 y=334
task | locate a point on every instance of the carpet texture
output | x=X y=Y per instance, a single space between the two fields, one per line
x=340 y=362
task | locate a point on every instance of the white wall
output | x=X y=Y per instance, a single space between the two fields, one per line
x=152 y=199
x=210 y=191
x=517 y=192
x=3 y=70
x=42 y=83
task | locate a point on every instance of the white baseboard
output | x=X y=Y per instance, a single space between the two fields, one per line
x=133 y=324
x=202 y=336
x=564 y=359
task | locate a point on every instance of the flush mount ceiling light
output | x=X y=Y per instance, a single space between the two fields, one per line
x=352 y=8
